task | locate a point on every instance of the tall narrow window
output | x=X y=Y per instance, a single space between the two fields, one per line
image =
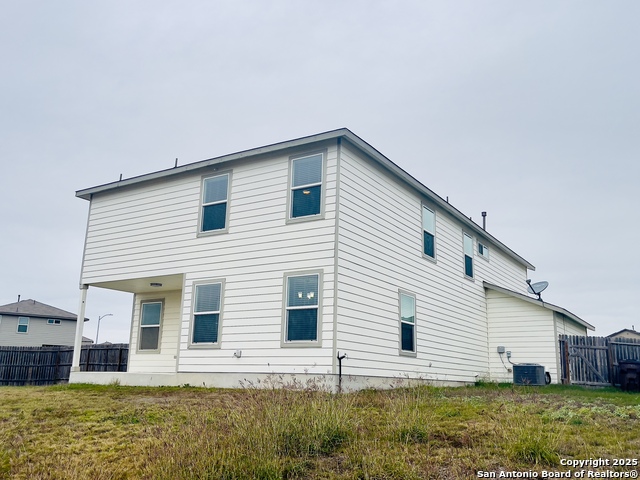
x=407 y=323
x=301 y=323
x=23 y=324
x=468 y=255
x=215 y=194
x=150 y=316
x=306 y=186
x=206 y=313
x=428 y=232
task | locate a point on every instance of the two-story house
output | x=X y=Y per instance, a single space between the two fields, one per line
x=29 y=323
x=284 y=258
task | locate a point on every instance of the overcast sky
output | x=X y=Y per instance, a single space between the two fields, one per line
x=527 y=110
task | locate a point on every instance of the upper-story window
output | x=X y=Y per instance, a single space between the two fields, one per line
x=483 y=251
x=468 y=255
x=428 y=232
x=53 y=321
x=215 y=202
x=306 y=186
x=23 y=324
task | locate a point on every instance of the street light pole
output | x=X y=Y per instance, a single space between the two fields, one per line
x=100 y=318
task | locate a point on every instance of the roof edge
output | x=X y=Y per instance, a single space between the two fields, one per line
x=274 y=147
x=345 y=133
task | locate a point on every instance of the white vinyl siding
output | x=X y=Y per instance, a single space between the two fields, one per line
x=152 y=230
x=525 y=329
x=380 y=251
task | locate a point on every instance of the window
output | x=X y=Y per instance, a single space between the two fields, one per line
x=23 y=324
x=206 y=313
x=407 y=323
x=301 y=321
x=53 y=321
x=483 y=251
x=150 y=326
x=428 y=232
x=306 y=186
x=215 y=195
x=468 y=255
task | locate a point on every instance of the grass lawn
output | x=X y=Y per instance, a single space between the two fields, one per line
x=113 y=432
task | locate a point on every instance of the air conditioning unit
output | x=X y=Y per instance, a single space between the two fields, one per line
x=528 y=374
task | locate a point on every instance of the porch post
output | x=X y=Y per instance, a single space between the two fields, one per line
x=77 y=346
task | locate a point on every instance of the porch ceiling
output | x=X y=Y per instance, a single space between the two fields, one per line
x=144 y=285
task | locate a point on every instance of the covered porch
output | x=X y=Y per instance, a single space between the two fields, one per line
x=154 y=332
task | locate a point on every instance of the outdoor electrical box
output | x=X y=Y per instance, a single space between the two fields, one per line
x=528 y=374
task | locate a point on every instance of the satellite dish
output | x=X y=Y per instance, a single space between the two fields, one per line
x=537 y=288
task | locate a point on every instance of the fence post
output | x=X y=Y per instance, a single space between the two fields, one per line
x=566 y=361
x=86 y=367
x=612 y=370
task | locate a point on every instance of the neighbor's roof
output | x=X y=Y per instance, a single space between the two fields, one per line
x=343 y=134
x=624 y=330
x=535 y=301
x=31 y=308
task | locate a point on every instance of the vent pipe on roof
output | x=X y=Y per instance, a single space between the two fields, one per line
x=18 y=298
x=484 y=220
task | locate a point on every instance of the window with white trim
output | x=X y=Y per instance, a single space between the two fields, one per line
x=23 y=325
x=407 y=323
x=53 y=321
x=468 y=255
x=150 y=319
x=428 y=232
x=301 y=322
x=483 y=251
x=306 y=186
x=206 y=314
x=215 y=200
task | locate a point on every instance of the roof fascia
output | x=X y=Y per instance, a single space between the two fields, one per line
x=549 y=306
x=446 y=206
x=87 y=192
x=345 y=133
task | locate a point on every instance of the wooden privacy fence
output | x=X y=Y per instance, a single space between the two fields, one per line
x=595 y=360
x=49 y=365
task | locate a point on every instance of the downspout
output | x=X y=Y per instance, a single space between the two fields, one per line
x=336 y=277
x=340 y=358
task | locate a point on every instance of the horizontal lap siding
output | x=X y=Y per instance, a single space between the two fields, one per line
x=39 y=332
x=152 y=230
x=380 y=251
x=525 y=329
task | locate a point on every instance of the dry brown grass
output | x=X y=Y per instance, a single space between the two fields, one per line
x=113 y=432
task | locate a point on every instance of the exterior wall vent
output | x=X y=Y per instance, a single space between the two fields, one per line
x=528 y=374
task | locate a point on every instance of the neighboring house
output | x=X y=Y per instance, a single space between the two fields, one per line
x=29 y=323
x=625 y=334
x=279 y=259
